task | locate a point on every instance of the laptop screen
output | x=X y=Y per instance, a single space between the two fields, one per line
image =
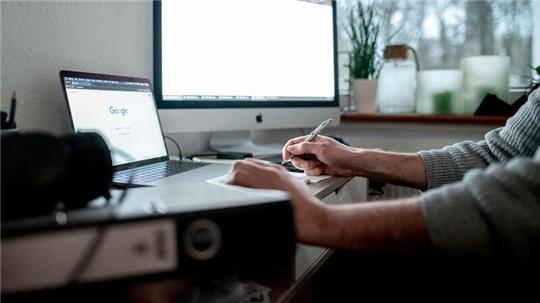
x=123 y=112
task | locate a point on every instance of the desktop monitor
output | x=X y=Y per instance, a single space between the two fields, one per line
x=245 y=64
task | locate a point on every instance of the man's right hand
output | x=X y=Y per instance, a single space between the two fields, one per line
x=323 y=156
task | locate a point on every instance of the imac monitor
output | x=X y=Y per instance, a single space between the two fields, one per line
x=245 y=64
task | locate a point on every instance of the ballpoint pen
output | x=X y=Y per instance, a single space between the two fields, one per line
x=13 y=110
x=312 y=136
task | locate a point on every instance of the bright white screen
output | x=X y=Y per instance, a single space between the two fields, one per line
x=259 y=49
x=126 y=119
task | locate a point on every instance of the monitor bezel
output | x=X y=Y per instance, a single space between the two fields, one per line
x=205 y=103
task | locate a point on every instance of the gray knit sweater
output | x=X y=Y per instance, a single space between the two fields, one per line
x=493 y=210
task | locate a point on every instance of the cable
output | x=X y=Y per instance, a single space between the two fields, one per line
x=87 y=256
x=177 y=146
x=90 y=253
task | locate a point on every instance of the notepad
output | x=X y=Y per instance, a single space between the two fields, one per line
x=222 y=180
x=310 y=179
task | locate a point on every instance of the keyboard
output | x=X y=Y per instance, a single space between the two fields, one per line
x=152 y=172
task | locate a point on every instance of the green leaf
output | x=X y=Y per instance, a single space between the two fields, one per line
x=538 y=70
x=363 y=31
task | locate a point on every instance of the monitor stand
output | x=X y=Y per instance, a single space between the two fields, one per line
x=241 y=141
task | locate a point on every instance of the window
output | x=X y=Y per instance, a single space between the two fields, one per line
x=444 y=31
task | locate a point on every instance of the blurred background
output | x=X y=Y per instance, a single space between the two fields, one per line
x=443 y=32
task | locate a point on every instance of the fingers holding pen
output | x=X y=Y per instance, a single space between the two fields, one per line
x=315 y=171
x=303 y=148
x=305 y=164
x=284 y=152
x=298 y=146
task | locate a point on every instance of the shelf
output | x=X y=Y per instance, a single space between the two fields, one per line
x=427 y=119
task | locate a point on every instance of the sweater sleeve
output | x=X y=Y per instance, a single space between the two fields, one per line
x=519 y=137
x=491 y=213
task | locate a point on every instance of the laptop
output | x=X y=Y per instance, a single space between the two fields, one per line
x=123 y=111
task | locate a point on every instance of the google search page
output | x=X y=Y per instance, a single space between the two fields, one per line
x=127 y=120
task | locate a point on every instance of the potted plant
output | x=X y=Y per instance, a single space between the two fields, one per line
x=363 y=28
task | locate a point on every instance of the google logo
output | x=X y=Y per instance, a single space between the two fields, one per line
x=118 y=111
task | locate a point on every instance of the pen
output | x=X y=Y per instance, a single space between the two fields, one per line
x=13 y=109
x=313 y=135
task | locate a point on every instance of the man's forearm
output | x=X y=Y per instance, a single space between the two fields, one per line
x=378 y=226
x=397 y=168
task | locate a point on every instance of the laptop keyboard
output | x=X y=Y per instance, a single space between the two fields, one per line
x=149 y=173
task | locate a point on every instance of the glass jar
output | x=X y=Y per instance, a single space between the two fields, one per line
x=397 y=81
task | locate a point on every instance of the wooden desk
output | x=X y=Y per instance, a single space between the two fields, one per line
x=324 y=188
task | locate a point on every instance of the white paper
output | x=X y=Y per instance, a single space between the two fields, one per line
x=222 y=181
x=310 y=179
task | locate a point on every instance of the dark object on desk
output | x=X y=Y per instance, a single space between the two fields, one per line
x=233 y=155
x=39 y=171
x=493 y=106
x=290 y=167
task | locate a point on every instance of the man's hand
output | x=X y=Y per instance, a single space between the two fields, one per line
x=309 y=212
x=376 y=226
x=324 y=156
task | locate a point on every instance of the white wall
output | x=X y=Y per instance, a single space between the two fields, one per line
x=40 y=38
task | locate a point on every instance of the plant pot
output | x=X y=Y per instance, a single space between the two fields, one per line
x=364 y=93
